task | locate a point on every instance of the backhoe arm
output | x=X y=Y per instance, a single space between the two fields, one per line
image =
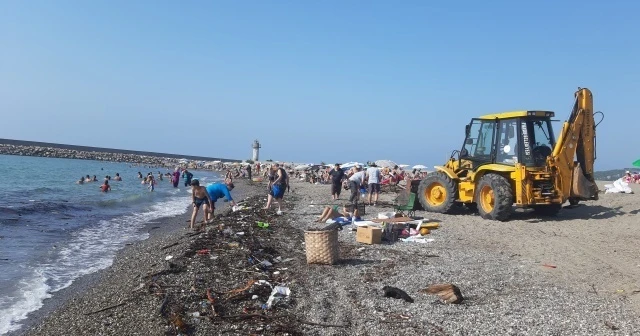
x=576 y=141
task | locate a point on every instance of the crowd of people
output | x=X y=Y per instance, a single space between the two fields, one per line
x=631 y=177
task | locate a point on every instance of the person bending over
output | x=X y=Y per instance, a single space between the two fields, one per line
x=219 y=190
x=200 y=197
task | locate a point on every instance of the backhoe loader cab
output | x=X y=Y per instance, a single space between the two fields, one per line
x=524 y=137
x=514 y=158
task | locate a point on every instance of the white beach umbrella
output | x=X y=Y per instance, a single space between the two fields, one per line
x=420 y=167
x=302 y=167
x=385 y=163
x=403 y=165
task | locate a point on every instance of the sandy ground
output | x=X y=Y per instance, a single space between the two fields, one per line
x=593 y=290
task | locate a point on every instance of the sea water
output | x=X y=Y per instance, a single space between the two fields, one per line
x=53 y=231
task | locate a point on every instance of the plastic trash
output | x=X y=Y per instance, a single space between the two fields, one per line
x=278 y=294
x=169 y=257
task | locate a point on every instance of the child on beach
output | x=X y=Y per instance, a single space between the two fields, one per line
x=200 y=197
x=152 y=183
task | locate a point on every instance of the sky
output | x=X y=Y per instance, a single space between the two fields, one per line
x=313 y=81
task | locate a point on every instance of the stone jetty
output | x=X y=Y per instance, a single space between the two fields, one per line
x=52 y=152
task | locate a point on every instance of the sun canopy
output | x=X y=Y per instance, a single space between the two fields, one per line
x=385 y=163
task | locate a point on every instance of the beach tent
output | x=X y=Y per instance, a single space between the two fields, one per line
x=385 y=163
x=302 y=167
x=350 y=164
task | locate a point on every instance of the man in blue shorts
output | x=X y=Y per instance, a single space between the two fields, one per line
x=219 y=190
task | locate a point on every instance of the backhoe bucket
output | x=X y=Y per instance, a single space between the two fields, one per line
x=581 y=187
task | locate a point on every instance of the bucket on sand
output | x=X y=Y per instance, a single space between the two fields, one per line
x=322 y=246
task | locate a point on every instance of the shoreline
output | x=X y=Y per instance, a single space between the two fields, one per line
x=161 y=229
x=499 y=268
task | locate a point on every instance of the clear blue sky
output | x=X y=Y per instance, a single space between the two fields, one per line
x=312 y=80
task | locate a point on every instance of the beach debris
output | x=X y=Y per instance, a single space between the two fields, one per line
x=178 y=322
x=107 y=308
x=278 y=294
x=610 y=325
x=549 y=266
x=447 y=292
x=169 y=257
x=396 y=293
x=417 y=239
x=203 y=251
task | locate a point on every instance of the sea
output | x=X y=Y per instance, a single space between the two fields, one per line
x=53 y=230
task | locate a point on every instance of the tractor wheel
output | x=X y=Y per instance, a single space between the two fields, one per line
x=437 y=193
x=494 y=197
x=574 y=201
x=547 y=210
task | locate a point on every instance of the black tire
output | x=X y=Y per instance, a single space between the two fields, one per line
x=547 y=210
x=574 y=201
x=444 y=185
x=501 y=206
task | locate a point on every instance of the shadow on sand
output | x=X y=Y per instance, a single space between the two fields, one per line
x=569 y=212
x=572 y=212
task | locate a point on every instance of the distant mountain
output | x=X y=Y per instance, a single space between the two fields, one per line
x=612 y=175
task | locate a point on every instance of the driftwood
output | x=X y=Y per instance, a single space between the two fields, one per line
x=447 y=292
x=106 y=308
x=170 y=245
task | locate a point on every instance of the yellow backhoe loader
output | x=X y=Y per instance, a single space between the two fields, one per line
x=512 y=159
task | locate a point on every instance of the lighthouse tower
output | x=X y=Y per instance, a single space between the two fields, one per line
x=256 y=150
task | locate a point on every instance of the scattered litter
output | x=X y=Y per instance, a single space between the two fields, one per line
x=361 y=249
x=610 y=325
x=396 y=293
x=240 y=233
x=549 y=266
x=449 y=293
x=276 y=272
x=278 y=294
x=195 y=314
x=255 y=297
x=417 y=239
x=169 y=257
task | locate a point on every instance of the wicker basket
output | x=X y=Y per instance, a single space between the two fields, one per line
x=322 y=247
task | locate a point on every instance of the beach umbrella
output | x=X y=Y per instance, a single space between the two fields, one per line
x=385 y=163
x=636 y=163
x=302 y=167
x=403 y=165
x=420 y=167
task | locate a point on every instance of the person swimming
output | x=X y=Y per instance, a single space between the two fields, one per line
x=105 y=186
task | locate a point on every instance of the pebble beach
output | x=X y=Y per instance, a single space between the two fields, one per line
x=576 y=274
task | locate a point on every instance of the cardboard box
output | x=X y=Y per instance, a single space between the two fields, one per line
x=369 y=234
